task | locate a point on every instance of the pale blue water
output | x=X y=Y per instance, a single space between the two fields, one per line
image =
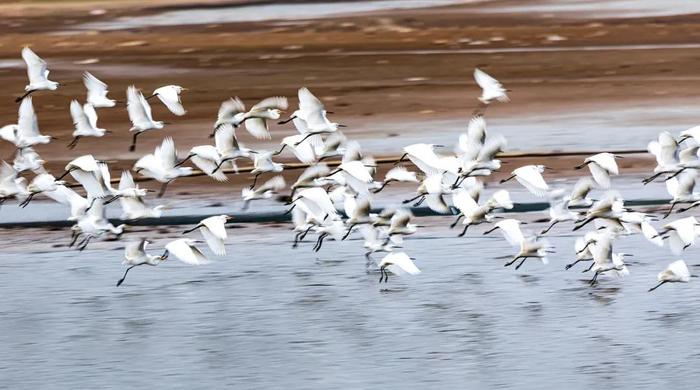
x=269 y=317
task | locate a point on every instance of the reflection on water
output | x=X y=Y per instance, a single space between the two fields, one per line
x=267 y=316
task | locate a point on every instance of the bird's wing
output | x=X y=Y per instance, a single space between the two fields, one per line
x=208 y=166
x=651 y=234
x=93 y=186
x=313 y=172
x=135 y=248
x=402 y=174
x=600 y=175
x=491 y=148
x=228 y=110
x=96 y=89
x=36 y=67
x=400 y=263
x=607 y=162
x=135 y=108
x=511 y=231
x=186 y=252
x=91 y=114
x=423 y=156
x=320 y=198
x=462 y=200
x=476 y=130
x=27 y=122
x=436 y=202
x=501 y=198
x=225 y=139
x=217 y=245
x=679 y=270
x=531 y=178
x=308 y=102
x=132 y=208
x=80 y=120
x=126 y=181
x=257 y=127
x=275 y=184
x=216 y=225
x=492 y=88
x=274 y=102
x=167 y=153
x=170 y=96
x=357 y=170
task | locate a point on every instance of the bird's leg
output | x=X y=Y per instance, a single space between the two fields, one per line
x=132 y=147
x=670 y=209
x=120 y=281
x=277 y=152
x=653 y=177
x=695 y=204
x=64 y=174
x=152 y=96
x=507 y=179
x=255 y=180
x=589 y=268
x=572 y=264
x=304 y=139
x=454 y=185
x=19 y=99
x=73 y=238
x=420 y=201
x=521 y=263
x=412 y=199
x=657 y=286
x=349 y=230
x=382 y=187
x=490 y=230
x=112 y=199
x=368 y=259
x=163 y=187
x=189 y=156
x=246 y=204
x=464 y=231
x=306 y=232
x=290 y=209
x=551 y=225
x=74 y=142
x=457 y=221
x=403 y=158
x=193 y=229
x=595 y=278
x=319 y=242
x=223 y=161
x=580 y=166
x=26 y=201
x=92 y=203
x=291 y=118
x=678 y=172
x=85 y=243
x=586 y=222
x=508 y=264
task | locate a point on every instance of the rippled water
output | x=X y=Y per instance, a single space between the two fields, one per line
x=268 y=317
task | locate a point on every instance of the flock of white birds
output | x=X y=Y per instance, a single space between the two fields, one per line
x=319 y=192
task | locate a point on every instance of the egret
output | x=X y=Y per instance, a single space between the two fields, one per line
x=263 y=163
x=184 y=249
x=38 y=74
x=579 y=194
x=140 y=115
x=264 y=191
x=602 y=166
x=397 y=174
x=213 y=229
x=169 y=95
x=530 y=176
x=313 y=113
x=398 y=263
x=97 y=92
x=676 y=272
x=135 y=255
x=491 y=88
x=85 y=121
x=162 y=165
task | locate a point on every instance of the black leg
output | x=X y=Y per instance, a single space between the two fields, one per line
x=572 y=264
x=163 y=188
x=586 y=222
x=74 y=142
x=132 y=147
x=508 y=264
x=589 y=268
x=403 y=158
x=255 y=180
x=349 y=230
x=193 y=229
x=657 y=286
x=456 y=221
x=119 y=283
x=551 y=225
x=507 y=179
x=517 y=267
x=19 y=99
x=670 y=209
x=412 y=199
x=420 y=201
x=464 y=231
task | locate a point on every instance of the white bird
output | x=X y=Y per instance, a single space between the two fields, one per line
x=510 y=228
x=26 y=132
x=582 y=246
x=131 y=198
x=475 y=214
x=317 y=203
x=208 y=160
x=604 y=260
x=681 y=234
x=313 y=114
x=610 y=208
x=355 y=175
x=602 y=166
x=85 y=122
x=635 y=222
x=37 y=73
x=676 y=272
x=162 y=165
x=359 y=215
x=140 y=115
x=92 y=174
x=491 y=88
x=11 y=185
x=304 y=150
x=29 y=160
x=397 y=174
x=170 y=96
x=213 y=230
x=665 y=149
x=184 y=249
x=398 y=263
x=372 y=241
x=558 y=210
x=423 y=156
x=231 y=112
x=530 y=176
x=97 y=92
x=530 y=248
x=579 y=194
x=681 y=188
x=313 y=176
x=42 y=183
x=229 y=148
x=94 y=224
x=256 y=118
x=263 y=163
x=400 y=226
x=265 y=191
x=135 y=255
